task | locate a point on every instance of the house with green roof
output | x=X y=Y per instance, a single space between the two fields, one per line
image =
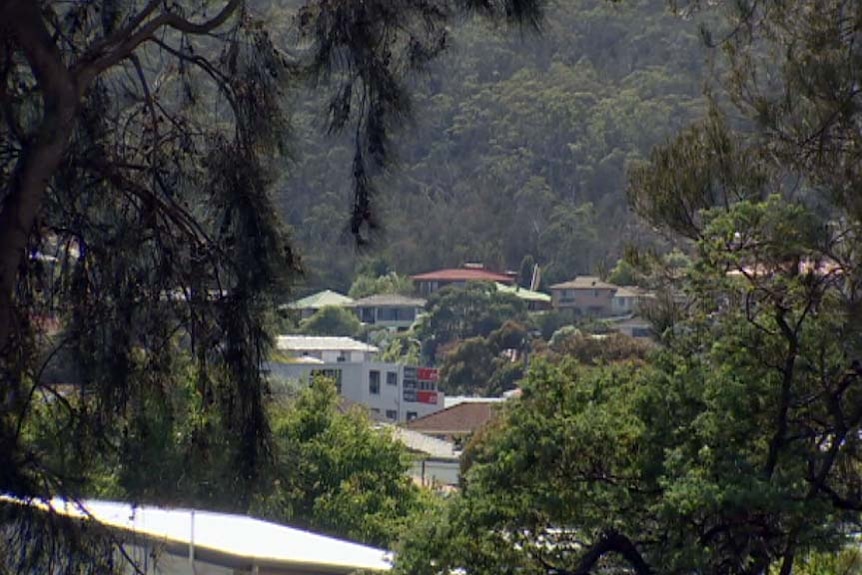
x=309 y=305
x=536 y=301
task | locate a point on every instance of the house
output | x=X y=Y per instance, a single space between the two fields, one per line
x=391 y=391
x=585 y=295
x=167 y=541
x=536 y=301
x=627 y=300
x=388 y=310
x=309 y=305
x=429 y=282
x=436 y=462
x=455 y=423
x=634 y=326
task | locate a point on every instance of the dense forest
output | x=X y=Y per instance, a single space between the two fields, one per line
x=519 y=145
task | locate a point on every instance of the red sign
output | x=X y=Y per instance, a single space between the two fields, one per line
x=427 y=397
x=427 y=374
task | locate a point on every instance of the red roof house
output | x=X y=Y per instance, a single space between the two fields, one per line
x=430 y=282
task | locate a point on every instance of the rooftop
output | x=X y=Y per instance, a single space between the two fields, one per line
x=463 y=274
x=320 y=299
x=630 y=291
x=456 y=399
x=585 y=282
x=460 y=419
x=388 y=300
x=224 y=539
x=425 y=444
x=321 y=343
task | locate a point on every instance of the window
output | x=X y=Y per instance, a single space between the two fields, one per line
x=391 y=414
x=374 y=382
x=411 y=415
x=406 y=314
x=387 y=314
x=366 y=314
x=391 y=378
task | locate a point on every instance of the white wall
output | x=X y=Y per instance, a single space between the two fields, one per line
x=429 y=472
x=168 y=564
x=355 y=386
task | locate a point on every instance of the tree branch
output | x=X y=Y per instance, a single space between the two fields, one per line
x=611 y=541
x=42 y=156
x=87 y=70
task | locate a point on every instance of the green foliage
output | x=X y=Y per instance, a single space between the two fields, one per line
x=623 y=274
x=563 y=334
x=734 y=449
x=336 y=473
x=456 y=313
x=598 y=350
x=403 y=348
x=478 y=366
x=467 y=369
x=847 y=561
x=550 y=321
x=332 y=320
x=520 y=147
x=389 y=283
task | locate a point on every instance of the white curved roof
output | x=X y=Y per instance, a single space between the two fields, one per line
x=233 y=536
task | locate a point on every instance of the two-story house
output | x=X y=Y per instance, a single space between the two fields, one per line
x=389 y=310
x=586 y=295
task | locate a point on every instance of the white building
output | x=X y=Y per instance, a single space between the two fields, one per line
x=395 y=392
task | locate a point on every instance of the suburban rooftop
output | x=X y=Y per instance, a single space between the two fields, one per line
x=585 y=282
x=321 y=343
x=388 y=300
x=463 y=274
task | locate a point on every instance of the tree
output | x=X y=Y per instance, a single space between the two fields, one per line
x=735 y=450
x=389 y=283
x=332 y=320
x=590 y=350
x=486 y=366
x=455 y=313
x=336 y=473
x=139 y=143
x=467 y=369
x=623 y=274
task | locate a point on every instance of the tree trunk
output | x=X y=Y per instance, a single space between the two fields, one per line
x=42 y=152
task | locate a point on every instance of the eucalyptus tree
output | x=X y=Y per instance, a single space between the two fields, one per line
x=736 y=448
x=139 y=138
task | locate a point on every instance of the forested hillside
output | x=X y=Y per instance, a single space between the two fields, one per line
x=519 y=146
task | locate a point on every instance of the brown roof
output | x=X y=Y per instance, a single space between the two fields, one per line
x=463 y=274
x=585 y=282
x=459 y=419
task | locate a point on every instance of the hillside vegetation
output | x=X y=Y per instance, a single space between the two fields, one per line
x=519 y=146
